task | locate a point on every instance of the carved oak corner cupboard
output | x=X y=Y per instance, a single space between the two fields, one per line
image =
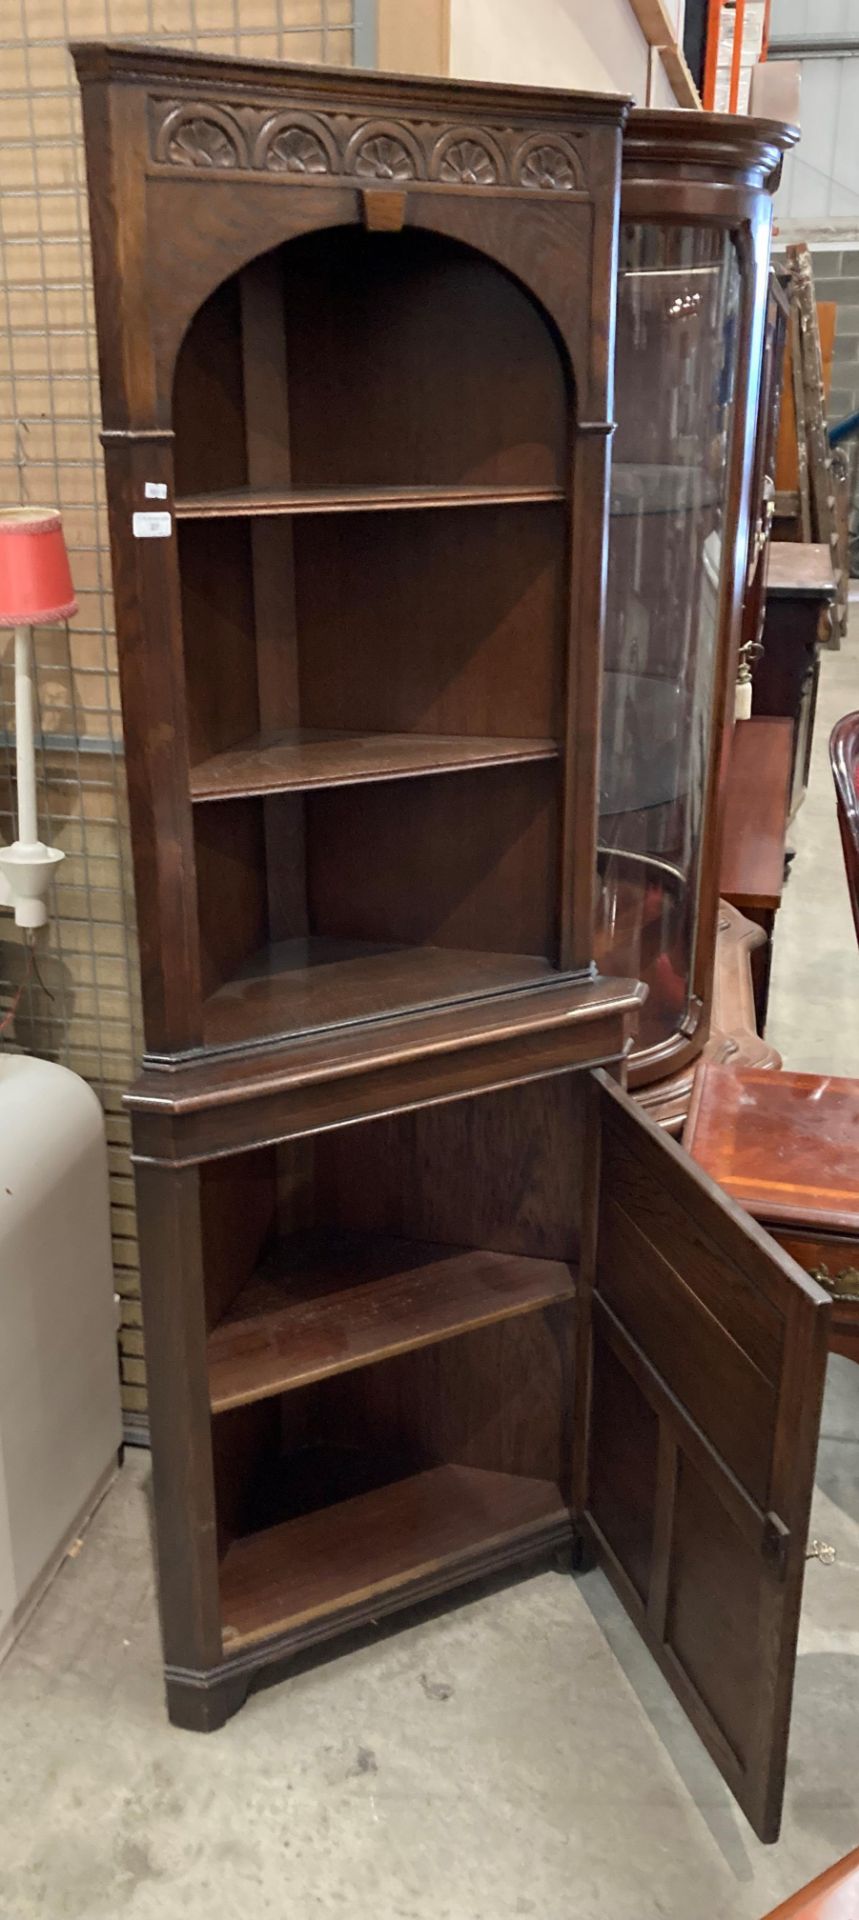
x=425 y=1294
x=695 y=219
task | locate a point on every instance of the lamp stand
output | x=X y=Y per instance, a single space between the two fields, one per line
x=27 y=867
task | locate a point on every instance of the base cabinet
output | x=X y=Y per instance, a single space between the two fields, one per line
x=455 y=1338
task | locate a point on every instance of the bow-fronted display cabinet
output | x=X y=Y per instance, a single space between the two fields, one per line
x=425 y=1294
x=695 y=223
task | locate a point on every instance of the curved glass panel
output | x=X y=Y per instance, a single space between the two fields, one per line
x=678 y=313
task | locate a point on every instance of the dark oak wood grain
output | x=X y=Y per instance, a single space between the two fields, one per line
x=200 y=1111
x=704 y=1534
x=338 y=1300
x=303 y=757
x=174 y=1319
x=315 y=591
x=312 y=984
x=370 y=1157
x=265 y=502
x=428 y=1523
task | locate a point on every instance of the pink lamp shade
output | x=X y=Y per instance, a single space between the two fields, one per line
x=35 y=581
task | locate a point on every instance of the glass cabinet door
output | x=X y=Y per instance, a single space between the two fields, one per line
x=676 y=371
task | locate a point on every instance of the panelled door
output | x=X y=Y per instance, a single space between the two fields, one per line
x=703 y=1353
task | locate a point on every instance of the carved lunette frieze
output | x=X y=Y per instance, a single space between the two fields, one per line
x=232 y=138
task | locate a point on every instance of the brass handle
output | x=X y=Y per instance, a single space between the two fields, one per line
x=842 y=1286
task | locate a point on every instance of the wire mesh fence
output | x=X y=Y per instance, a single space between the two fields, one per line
x=79 y=1004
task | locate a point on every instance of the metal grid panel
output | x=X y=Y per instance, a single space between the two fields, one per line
x=81 y=1005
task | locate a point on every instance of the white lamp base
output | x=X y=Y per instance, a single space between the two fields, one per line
x=26 y=872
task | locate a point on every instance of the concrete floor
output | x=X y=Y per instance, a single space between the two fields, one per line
x=518 y=1755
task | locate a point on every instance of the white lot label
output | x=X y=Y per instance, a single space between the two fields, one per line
x=155 y=490
x=151 y=526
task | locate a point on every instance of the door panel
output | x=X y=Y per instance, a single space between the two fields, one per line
x=624 y=1457
x=726 y=1396
x=704 y=1351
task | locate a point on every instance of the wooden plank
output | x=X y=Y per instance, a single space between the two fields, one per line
x=679 y=73
x=729 y=1400
x=570 y=1005
x=751 y=1321
x=295 y=759
x=660 y=31
x=255 y=502
x=796 y=571
x=329 y=1301
x=174 y=1321
x=709 y=1565
x=755 y=813
x=267 y=440
x=332 y=1559
x=301 y=985
x=827 y=323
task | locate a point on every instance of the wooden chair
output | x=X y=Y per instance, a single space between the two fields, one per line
x=834 y=1895
x=844 y=759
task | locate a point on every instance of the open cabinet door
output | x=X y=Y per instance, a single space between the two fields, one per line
x=703 y=1353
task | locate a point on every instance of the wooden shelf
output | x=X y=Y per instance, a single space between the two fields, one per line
x=303 y=757
x=305 y=985
x=253 y=502
x=756 y=803
x=326 y=1302
x=424 y=1528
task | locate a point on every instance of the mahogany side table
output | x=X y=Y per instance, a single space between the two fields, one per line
x=786 y=1147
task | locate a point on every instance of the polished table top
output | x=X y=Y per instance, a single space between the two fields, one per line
x=784 y=1145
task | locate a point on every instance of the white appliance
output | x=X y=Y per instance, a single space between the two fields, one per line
x=59 y=1386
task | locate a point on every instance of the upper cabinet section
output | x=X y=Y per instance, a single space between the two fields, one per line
x=375 y=333
x=356 y=339
x=301 y=148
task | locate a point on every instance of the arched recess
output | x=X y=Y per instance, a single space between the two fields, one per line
x=424 y=399
x=433 y=363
